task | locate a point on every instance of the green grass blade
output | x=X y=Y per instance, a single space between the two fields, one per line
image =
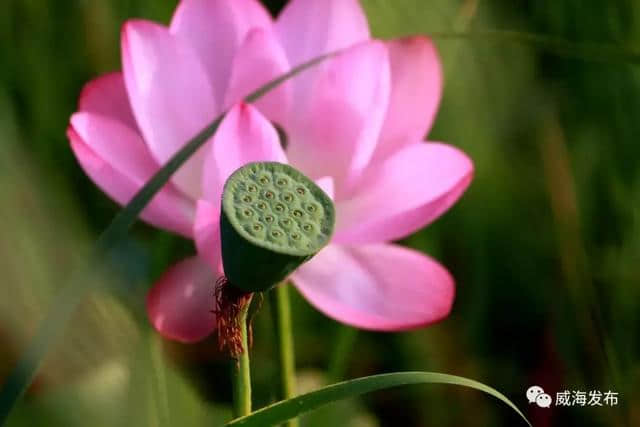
x=72 y=294
x=599 y=52
x=284 y=410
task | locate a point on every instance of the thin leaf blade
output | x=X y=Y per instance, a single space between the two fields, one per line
x=287 y=409
x=586 y=51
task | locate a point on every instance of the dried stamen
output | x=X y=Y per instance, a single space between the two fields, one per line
x=231 y=306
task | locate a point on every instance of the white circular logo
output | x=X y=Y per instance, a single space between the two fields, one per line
x=543 y=400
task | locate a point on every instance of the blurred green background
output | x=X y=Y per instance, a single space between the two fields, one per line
x=545 y=246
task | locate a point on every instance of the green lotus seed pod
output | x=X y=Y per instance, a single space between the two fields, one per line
x=273 y=218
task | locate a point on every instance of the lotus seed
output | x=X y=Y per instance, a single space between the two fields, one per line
x=288 y=197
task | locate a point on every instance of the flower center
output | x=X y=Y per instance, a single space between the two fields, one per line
x=275 y=205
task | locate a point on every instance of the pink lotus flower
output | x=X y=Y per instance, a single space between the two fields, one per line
x=355 y=124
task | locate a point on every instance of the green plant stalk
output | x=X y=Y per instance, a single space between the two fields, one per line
x=344 y=341
x=241 y=371
x=281 y=313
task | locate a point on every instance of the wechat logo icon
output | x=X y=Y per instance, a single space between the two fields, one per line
x=535 y=394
